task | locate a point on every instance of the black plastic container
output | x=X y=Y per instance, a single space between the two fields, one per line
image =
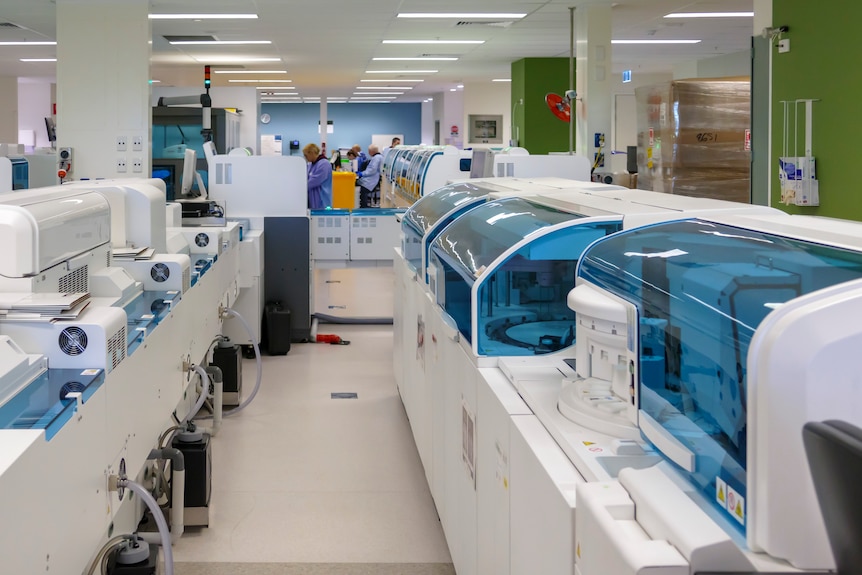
x=277 y=327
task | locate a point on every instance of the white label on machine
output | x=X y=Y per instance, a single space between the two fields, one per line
x=736 y=505
x=721 y=492
x=468 y=440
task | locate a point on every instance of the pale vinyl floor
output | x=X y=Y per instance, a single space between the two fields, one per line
x=306 y=484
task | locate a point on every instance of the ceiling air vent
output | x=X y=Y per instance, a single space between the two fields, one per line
x=494 y=24
x=190 y=38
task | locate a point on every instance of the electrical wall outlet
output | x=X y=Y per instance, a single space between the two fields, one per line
x=784 y=45
x=121 y=143
x=137 y=165
x=137 y=143
x=121 y=165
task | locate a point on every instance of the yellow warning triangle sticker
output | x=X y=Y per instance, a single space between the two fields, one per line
x=721 y=494
x=578 y=550
x=738 y=509
x=588 y=443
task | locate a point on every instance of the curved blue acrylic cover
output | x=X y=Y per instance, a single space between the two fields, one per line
x=435 y=211
x=527 y=287
x=475 y=240
x=703 y=289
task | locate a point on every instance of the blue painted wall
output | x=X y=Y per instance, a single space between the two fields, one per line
x=353 y=123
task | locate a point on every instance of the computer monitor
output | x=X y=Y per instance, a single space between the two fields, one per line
x=482 y=165
x=191 y=175
x=51 y=129
x=167 y=173
x=188 y=179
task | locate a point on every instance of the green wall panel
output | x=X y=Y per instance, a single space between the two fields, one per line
x=822 y=63
x=539 y=130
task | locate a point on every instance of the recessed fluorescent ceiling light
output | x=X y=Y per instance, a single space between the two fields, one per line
x=465 y=15
x=263 y=80
x=501 y=80
x=220 y=42
x=710 y=15
x=269 y=94
x=401 y=71
x=655 y=41
x=250 y=71
x=28 y=43
x=373 y=97
x=275 y=88
x=384 y=87
x=155 y=81
x=434 y=59
x=398 y=80
x=203 y=16
x=433 y=41
x=378 y=93
x=451 y=89
x=460 y=86
x=232 y=59
x=38 y=59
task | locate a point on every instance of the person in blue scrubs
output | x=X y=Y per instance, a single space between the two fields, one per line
x=319 y=178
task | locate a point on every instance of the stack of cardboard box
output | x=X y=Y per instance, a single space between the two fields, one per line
x=694 y=138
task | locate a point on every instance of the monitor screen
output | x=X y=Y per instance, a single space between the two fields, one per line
x=189 y=165
x=481 y=158
x=168 y=174
x=51 y=129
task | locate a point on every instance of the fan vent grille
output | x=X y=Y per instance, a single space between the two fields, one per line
x=73 y=341
x=160 y=272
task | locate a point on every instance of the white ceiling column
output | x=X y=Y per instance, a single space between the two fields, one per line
x=103 y=90
x=592 y=111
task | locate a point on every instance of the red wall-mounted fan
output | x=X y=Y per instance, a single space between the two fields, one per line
x=560 y=106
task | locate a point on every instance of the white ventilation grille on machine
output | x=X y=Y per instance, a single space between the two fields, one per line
x=117 y=347
x=75 y=281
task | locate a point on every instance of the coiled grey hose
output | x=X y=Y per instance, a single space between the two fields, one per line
x=162 y=524
x=205 y=392
x=232 y=313
x=99 y=559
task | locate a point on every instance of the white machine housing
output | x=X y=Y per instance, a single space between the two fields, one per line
x=52 y=240
x=137 y=211
x=96 y=339
x=201 y=240
x=17 y=368
x=800 y=367
x=165 y=272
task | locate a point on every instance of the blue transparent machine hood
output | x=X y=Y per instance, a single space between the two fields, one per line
x=502 y=272
x=700 y=290
x=431 y=213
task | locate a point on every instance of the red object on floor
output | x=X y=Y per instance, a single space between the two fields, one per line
x=328 y=338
